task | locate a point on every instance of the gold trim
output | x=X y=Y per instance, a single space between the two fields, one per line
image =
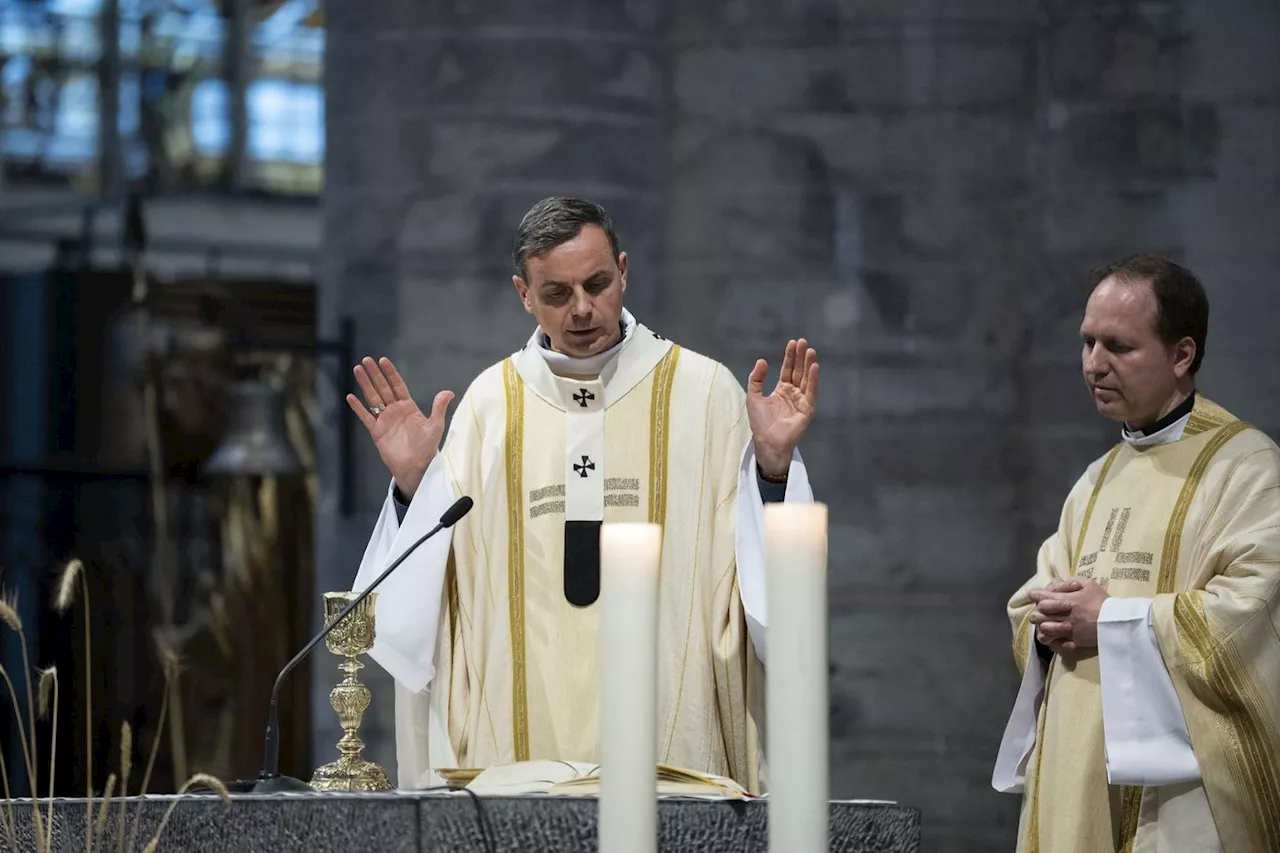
x=659 y=427
x=1022 y=643
x=1206 y=415
x=1173 y=534
x=515 y=558
x=1073 y=559
x=1033 y=821
x=1243 y=740
x=455 y=605
x=1130 y=811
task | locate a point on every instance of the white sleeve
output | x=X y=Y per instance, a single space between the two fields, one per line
x=409 y=600
x=1010 y=774
x=1146 y=737
x=749 y=537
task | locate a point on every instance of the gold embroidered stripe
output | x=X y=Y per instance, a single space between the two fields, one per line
x=1173 y=535
x=515 y=557
x=1248 y=748
x=659 y=426
x=1022 y=644
x=1130 y=807
x=1088 y=511
x=1033 y=824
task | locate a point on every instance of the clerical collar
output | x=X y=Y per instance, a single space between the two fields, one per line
x=1168 y=428
x=592 y=365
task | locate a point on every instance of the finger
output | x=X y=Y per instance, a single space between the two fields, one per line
x=380 y=384
x=1065 y=585
x=1039 y=595
x=395 y=380
x=1056 y=630
x=1037 y=617
x=788 y=362
x=800 y=362
x=1065 y=646
x=1054 y=607
x=371 y=397
x=809 y=387
x=440 y=405
x=361 y=412
x=755 y=382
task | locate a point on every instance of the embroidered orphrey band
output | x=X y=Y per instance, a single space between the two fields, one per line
x=514 y=387
x=659 y=426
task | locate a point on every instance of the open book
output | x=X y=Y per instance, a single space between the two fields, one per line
x=574 y=779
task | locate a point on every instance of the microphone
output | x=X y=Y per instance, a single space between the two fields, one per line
x=270 y=780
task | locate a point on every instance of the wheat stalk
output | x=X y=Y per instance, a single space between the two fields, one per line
x=49 y=684
x=101 y=823
x=73 y=571
x=126 y=767
x=171 y=663
x=9 y=615
x=205 y=779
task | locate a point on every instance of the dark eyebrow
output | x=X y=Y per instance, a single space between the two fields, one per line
x=595 y=276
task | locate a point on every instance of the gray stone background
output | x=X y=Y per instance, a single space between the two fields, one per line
x=918 y=187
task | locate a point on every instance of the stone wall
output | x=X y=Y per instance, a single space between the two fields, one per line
x=918 y=187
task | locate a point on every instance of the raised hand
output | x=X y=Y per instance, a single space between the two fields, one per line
x=780 y=419
x=407 y=440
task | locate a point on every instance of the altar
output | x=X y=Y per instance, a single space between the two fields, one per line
x=453 y=822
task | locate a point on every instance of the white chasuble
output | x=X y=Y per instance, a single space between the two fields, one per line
x=1193 y=527
x=491 y=633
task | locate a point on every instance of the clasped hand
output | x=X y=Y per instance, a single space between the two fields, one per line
x=1066 y=614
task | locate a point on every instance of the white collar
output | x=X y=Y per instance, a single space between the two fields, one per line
x=592 y=365
x=1168 y=435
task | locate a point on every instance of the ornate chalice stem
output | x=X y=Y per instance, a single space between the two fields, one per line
x=351 y=638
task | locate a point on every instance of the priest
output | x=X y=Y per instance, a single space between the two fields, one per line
x=1149 y=639
x=490 y=628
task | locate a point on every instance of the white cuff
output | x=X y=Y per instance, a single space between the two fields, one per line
x=1146 y=737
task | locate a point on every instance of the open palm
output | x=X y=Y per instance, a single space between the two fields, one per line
x=780 y=419
x=406 y=439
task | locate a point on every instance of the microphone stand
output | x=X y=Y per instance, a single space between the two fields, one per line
x=269 y=780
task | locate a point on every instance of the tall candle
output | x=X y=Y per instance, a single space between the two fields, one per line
x=629 y=557
x=796 y=718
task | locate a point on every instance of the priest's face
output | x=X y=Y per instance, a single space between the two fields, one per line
x=1132 y=374
x=575 y=293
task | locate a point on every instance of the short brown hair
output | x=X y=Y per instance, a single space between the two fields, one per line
x=1182 y=306
x=554 y=221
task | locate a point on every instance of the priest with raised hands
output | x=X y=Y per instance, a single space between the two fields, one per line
x=1149 y=638
x=490 y=628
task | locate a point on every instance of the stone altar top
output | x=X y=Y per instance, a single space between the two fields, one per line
x=416 y=822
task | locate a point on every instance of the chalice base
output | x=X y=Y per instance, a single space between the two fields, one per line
x=358 y=775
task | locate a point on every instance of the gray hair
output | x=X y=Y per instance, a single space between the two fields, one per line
x=554 y=221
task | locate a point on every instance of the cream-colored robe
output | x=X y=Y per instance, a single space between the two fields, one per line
x=1193 y=525
x=492 y=663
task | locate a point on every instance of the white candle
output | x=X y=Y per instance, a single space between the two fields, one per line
x=629 y=557
x=796 y=678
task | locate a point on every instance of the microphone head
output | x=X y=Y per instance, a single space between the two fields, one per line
x=453 y=514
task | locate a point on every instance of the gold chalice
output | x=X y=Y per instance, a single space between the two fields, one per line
x=350 y=639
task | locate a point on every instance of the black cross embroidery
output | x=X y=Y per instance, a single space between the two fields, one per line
x=587 y=465
x=582 y=397
x=656 y=335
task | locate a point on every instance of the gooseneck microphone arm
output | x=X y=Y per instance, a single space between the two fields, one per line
x=271 y=760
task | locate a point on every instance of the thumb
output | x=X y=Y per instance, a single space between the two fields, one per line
x=755 y=382
x=440 y=405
